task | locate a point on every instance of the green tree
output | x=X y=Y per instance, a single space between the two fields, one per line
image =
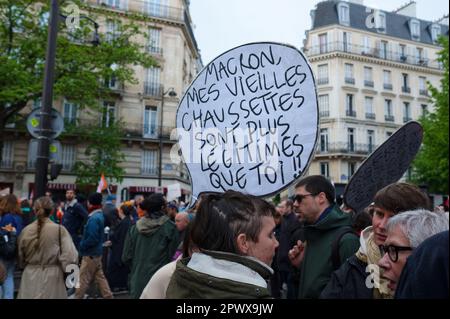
x=431 y=164
x=81 y=68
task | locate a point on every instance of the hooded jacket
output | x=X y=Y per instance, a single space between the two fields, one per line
x=316 y=267
x=219 y=275
x=150 y=244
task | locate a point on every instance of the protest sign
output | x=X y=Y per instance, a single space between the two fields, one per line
x=385 y=166
x=173 y=191
x=249 y=121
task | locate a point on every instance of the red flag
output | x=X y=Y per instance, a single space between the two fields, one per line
x=102 y=184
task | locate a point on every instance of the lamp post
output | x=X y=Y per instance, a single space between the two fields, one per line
x=171 y=92
x=40 y=179
x=42 y=159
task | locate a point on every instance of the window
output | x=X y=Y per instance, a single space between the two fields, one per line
x=70 y=112
x=414 y=26
x=323 y=43
x=388 y=115
x=112 y=30
x=380 y=21
x=383 y=49
x=370 y=140
x=351 y=169
x=366 y=45
x=351 y=139
x=405 y=82
x=37 y=103
x=403 y=55
x=346 y=41
x=424 y=109
x=370 y=114
x=154 y=41
x=324 y=140
x=324 y=109
x=31 y=157
x=435 y=32
x=419 y=56
x=406 y=112
x=325 y=169
x=423 y=86
x=150 y=118
x=108 y=114
x=387 y=80
x=368 y=76
x=117 y=4
x=349 y=106
x=344 y=13
x=322 y=71
x=68 y=154
x=153 y=83
x=349 y=73
x=149 y=162
x=156 y=8
x=7 y=155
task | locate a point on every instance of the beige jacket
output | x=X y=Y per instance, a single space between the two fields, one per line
x=43 y=276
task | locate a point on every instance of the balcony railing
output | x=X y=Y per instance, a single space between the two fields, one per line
x=141 y=130
x=154 y=50
x=152 y=89
x=324 y=113
x=345 y=148
x=423 y=92
x=350 y=113
x=406 y=89
x=322 y=81
x=147 y=8
x=406 y=119
x=370 y=116
x=349 y=80
x=6 y=163
x=372 y=52
x=387 y=86
x=389 y=118
x=368 y=83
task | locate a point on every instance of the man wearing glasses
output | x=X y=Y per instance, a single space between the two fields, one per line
x=405 y=232
x=315 y=200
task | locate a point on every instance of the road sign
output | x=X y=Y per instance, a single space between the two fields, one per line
x=55 y=150
x=34 y=122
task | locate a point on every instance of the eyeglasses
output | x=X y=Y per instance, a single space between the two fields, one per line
x=392 y=251
x=299 y=197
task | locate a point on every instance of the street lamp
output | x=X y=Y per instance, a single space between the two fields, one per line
x=42 y=159
x=170 y=92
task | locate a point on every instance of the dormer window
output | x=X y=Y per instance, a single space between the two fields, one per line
x=414 y=27
x=344 y=13
x=435 y=32
x=380 y=21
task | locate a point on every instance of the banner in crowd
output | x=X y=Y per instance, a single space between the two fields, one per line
x=387 y=164
x=249 y=121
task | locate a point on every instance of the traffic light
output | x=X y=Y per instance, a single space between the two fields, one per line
x=55 y=169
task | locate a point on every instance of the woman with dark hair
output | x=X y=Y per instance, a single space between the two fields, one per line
x=45 y=250
x=234 y=234
x=117 y=272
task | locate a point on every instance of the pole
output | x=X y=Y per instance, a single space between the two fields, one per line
x=160 y=137
x=47 y=101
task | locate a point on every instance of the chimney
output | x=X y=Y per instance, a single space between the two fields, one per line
x=408 y=9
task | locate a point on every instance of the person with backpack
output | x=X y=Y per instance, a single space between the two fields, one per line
x=315 y=199
x=353 y=280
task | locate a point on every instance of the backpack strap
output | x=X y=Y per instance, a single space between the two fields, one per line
x=335 y=256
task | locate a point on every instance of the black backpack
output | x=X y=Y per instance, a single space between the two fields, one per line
x=335 y=256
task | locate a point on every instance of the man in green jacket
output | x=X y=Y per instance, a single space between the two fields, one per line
x=150 y=244
x=324 y=222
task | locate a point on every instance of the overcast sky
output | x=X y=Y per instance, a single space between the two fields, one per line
x=224 y=24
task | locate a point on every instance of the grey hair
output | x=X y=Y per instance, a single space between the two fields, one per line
x=418 y=225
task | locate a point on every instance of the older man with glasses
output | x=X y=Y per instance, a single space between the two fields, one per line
x=325 y=224
x=405 y=232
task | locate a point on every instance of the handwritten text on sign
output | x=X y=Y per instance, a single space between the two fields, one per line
x=249 y=120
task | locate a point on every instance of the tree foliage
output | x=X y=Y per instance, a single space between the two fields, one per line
x=80 y=72
x=431 y=164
